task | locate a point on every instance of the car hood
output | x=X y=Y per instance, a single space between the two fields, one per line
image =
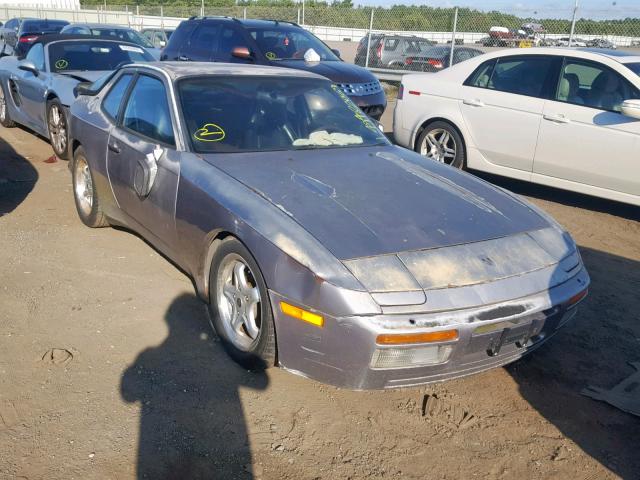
x=85 y=76
x=369 y=201
x=337 y=71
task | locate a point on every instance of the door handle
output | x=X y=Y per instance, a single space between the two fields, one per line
x=474 y=102
x=114 y=147
x=183 y=58
x=556 y=118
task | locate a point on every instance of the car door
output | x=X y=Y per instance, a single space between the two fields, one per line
x=142 y=161
x=583 y=137
x=31 y=89
x=502 y=104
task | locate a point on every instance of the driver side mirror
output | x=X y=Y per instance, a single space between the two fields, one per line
x=336 y=52
x=631 y=108
x=83 y=88
x=28 y=66
x=242 y=52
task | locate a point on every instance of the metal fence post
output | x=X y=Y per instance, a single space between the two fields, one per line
x=298 y=16
x=202 y=8
x=573 y=23
x=126 y=10
x=244 y=13
x=366 y=61
x=453 y=35
x=302 y=13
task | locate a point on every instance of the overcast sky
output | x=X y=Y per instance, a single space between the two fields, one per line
x=596 y=9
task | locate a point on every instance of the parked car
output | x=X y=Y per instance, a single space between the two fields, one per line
x=117 y=32
x=274 y=43
x=244 y=177
x=159 y=37
x=435 y=59
x=36 y=91
x=568 y=118
x=601 y=43
x=576 y=42
x=18 y=34
x=390 y=51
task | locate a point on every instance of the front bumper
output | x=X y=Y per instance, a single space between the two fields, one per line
x=373 y=105
x=341 y=352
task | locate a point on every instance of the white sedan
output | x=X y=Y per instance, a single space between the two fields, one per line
x=561 y=117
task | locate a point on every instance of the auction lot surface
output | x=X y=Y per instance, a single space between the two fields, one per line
x=109 y=369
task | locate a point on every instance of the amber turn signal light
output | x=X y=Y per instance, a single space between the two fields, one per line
x=405 y=338
x=577 y=297
x=300 y=314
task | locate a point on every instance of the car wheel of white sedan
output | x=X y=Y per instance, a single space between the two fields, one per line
x=84 y=192
x=58 y=129
x=240 y=306
x=441 y=142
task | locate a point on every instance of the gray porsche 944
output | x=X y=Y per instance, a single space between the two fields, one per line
x=37 y=90
x=318 y=245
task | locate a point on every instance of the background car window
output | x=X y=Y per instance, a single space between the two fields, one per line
x=43 y=26
x=36 y=55
x=93 y=55
x=593 y=85
x=112 y=101
x=523 y=75
x=390 y=44
x=204 y=41
x=147 y=111
x=482 y=76
x=246 y=114
x=289 y=43
x=126 y=34
x=11 y=24
x=229 y=39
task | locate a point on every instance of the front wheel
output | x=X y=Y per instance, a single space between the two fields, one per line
x=84 y=192
x=240 y=307
x=58 y=128
x=441 y=142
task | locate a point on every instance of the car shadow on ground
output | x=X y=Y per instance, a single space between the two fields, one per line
x=17 y=178
x=564 y=197
x=192 y=423
x=593 y=349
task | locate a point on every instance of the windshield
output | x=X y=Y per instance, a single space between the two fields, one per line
x=42 y=26
x=125 y=34
x=280 y=43
x=231 y=114
x=635 y=67
x=93 y=55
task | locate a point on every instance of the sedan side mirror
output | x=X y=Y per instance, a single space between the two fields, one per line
x=336 y=52
x=631 y=108
x=242 y=52
x=28 y=66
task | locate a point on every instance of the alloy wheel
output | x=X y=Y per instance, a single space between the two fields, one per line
x=439 y=145
x=3 y=105
x=83 y=187
x=239 y=302
x=57 y=129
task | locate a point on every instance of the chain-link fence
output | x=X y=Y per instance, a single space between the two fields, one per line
x=402 y=37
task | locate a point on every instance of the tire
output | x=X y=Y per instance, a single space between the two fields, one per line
x=234 y=281
x=5 y=118
x=58 y=127
x=85 y=194
x=431 y=140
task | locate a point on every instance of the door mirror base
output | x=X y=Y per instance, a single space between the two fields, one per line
x=242 y=52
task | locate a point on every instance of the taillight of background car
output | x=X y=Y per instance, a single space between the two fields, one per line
x=435 y=63
x=28 y=38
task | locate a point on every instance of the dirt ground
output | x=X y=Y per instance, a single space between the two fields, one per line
x=109 y=369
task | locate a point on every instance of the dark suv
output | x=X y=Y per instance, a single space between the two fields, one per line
x=275 y=43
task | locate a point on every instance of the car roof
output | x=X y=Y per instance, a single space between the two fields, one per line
x=586 y=53
x=177 y=70
x=99 y=26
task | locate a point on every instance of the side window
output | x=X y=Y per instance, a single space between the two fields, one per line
x=461 y=55
x=482 y=75
x=11 y=24
x=111 y=103
x=521 y=75
x=229 y=38
x=390 y=44
x=36 y=55
x=204 y=41
x=147 y=111
x=593 y=85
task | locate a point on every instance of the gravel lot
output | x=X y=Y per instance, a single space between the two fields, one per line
x=109 y=369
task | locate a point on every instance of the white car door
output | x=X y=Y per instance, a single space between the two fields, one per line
x=584 y=139
x=502 y=106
